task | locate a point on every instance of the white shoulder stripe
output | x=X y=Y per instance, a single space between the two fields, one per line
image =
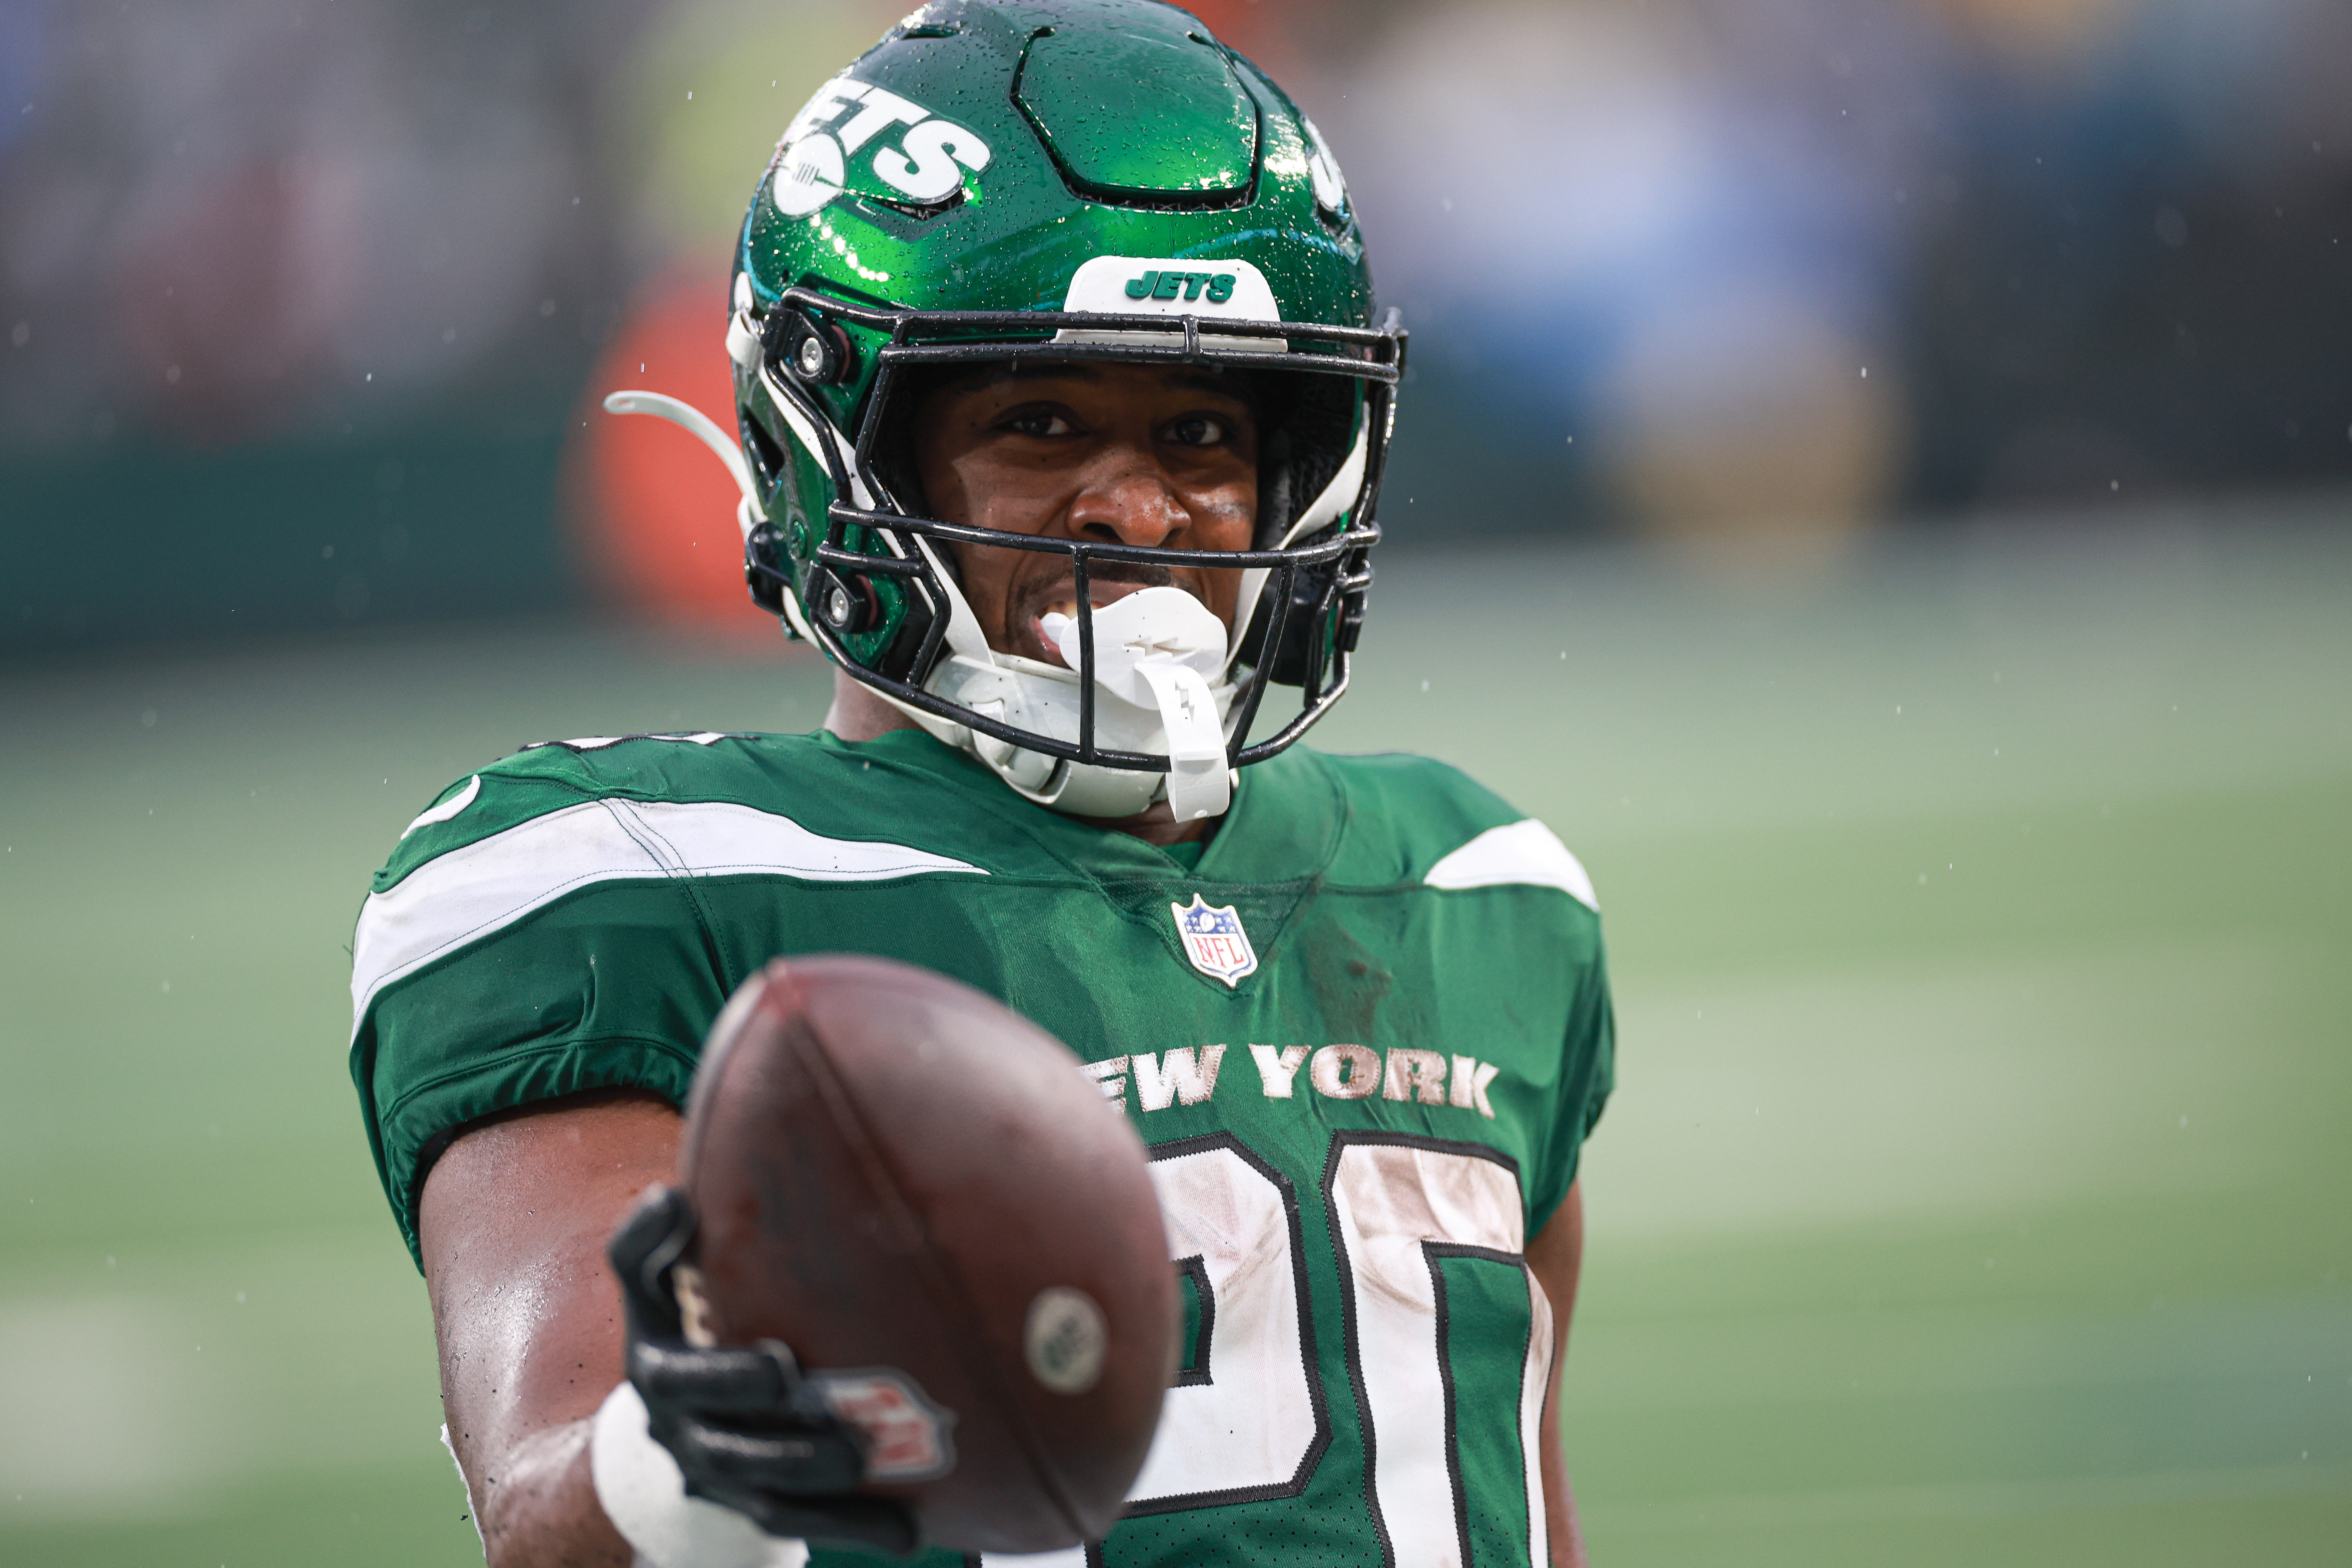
x=447 y=808
x=485 y=887
x=1525 y=852
x=598 y=742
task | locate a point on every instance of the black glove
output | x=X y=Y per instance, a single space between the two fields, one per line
x=748 y=1431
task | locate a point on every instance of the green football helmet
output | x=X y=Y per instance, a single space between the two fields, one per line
x=1059 y=180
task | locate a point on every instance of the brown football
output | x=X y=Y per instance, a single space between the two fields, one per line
x=894 y=1171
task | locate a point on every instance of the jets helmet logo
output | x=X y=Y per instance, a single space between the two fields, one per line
x=843 y=122
x=1214 y=940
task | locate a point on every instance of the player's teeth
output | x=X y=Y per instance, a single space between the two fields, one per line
x=1069 y=607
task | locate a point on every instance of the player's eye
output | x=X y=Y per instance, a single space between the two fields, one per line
x=1197 y=430
x=1039 y=423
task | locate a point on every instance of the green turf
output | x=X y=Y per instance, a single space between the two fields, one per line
x=1974 y=1191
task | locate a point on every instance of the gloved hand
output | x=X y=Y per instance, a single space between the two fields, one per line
x=747 y=1430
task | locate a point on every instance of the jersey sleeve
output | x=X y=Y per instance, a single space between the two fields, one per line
x=575 y=917
x=524 y=945
x=1587 y=1074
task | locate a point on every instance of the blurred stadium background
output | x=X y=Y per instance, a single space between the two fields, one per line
x=1875 y=476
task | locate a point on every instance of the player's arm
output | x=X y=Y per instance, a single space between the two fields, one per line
x=1555 y=1258
x=513 y=1223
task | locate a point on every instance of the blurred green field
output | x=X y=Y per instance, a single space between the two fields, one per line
x=1976 y=1190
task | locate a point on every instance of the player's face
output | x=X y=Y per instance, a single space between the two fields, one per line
x=1152 y=455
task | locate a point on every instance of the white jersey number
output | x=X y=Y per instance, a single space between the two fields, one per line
x=1398 y=1206
x=1249 y=1421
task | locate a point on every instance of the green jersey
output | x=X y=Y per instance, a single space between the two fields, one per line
x=1363 y=1037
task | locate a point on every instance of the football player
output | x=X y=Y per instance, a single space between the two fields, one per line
x=1062 y=410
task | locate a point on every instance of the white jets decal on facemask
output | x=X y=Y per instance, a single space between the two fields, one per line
x=839 y=123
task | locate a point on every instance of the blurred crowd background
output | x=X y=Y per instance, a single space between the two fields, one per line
x=308 y=302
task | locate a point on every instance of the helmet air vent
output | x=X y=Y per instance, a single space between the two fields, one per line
x=1140 y=118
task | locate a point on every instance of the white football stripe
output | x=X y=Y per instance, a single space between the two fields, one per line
x=447 y=808
x=485 y=887
x=1525 y=853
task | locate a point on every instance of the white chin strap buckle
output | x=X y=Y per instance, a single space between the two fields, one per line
x=1155 y=648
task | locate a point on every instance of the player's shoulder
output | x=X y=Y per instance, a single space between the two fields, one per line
x=1416 y=820
x=1419 y=791
x=801 y=779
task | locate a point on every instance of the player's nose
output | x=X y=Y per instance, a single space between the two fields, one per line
x=1126 y=497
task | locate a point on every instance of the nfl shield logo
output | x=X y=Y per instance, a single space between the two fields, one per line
x=1214 y=940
